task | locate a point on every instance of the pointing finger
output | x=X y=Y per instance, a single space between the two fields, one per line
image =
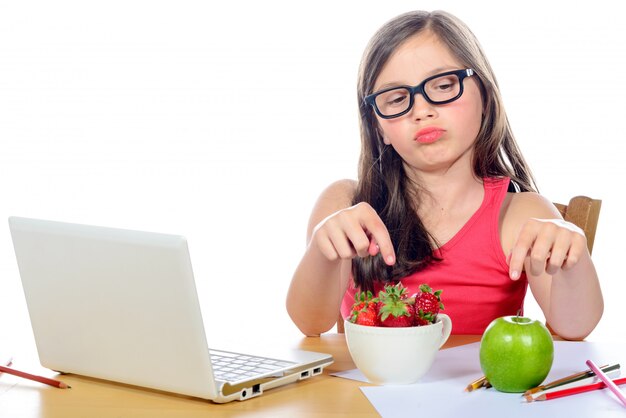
x=519 y=253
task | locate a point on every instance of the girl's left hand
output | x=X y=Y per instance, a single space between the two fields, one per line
x=550 y=245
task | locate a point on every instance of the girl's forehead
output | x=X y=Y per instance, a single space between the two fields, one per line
x=417 y=58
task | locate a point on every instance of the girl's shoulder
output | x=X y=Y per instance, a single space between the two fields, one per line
x=531 y=205
x=518 y=208
x=335 y=197
x=341 y=188
x=338 y=195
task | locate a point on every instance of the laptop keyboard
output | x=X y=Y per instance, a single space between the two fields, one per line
x=229 y=366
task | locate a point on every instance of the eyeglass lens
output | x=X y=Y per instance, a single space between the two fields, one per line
x=436 y=90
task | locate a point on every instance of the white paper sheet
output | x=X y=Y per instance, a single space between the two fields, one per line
x=441 y=392
x=354 y=374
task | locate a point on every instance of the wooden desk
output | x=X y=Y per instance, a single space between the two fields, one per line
x=321 y=396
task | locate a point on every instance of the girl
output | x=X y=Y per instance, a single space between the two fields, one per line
x=436 y=198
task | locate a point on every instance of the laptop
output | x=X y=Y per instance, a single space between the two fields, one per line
x=122 y=305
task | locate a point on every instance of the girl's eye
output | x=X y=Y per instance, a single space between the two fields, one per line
x=396 y=98
x=444 y=84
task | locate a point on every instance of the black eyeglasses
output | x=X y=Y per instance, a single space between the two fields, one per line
x=439 y=89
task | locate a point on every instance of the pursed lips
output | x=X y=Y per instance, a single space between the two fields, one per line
x=429 y=134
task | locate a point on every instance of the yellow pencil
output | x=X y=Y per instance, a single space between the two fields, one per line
x=476 y=384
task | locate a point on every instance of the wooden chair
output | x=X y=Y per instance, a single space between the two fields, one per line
x=582 y=211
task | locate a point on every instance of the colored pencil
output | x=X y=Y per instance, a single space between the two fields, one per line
x=613 y=374
x=609 y=383
x=478 y=383
x=571 y=378
x=40 y=379
x=546 y=396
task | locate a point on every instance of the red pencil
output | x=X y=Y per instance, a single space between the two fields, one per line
x=40 y=379
x=572 y=391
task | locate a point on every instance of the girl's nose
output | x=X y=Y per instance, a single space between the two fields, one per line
x=422 y=109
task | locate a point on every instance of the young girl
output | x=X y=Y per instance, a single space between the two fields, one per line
x=444 y=197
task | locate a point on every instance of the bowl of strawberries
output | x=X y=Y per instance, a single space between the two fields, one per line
x=393 y=337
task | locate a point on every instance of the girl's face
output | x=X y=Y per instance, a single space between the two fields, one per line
x=452 y=127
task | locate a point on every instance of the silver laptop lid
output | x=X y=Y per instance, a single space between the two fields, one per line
x=103 y=303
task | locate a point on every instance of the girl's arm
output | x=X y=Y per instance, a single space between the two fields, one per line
x=554 y=255
x=337 y=232
x=318 y=284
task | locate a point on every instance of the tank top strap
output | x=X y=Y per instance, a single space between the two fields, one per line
x=496 y=190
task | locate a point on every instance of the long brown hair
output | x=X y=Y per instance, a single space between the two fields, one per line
x=383 y=182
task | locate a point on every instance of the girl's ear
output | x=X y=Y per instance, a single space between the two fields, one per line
x=382 y=136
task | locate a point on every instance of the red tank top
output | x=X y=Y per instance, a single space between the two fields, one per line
x=473 y=273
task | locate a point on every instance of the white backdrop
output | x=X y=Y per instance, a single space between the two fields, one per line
x=223 y=121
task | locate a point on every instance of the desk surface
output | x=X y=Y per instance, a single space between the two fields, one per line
x=321 y=396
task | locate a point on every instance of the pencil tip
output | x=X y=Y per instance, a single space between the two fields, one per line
x=529 y=398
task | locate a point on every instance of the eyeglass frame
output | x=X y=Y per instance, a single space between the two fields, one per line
x=370 y=100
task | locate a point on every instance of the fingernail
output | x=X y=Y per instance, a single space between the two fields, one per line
x=514 y=275
x=390 y=259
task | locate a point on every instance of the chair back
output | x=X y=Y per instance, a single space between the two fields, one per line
x=583 y=212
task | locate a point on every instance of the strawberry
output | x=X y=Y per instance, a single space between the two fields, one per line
x=394 y=307
x=427 y=305
x=365 y=309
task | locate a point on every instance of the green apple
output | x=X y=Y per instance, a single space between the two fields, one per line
x=516 y=353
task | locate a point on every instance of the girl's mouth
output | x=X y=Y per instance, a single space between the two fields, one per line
x=429 y=135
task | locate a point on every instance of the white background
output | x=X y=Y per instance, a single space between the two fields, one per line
x=223 y=121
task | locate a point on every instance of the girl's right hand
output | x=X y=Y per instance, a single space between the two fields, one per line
x=351 y=232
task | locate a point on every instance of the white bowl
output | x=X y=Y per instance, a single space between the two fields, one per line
x=390 y=356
